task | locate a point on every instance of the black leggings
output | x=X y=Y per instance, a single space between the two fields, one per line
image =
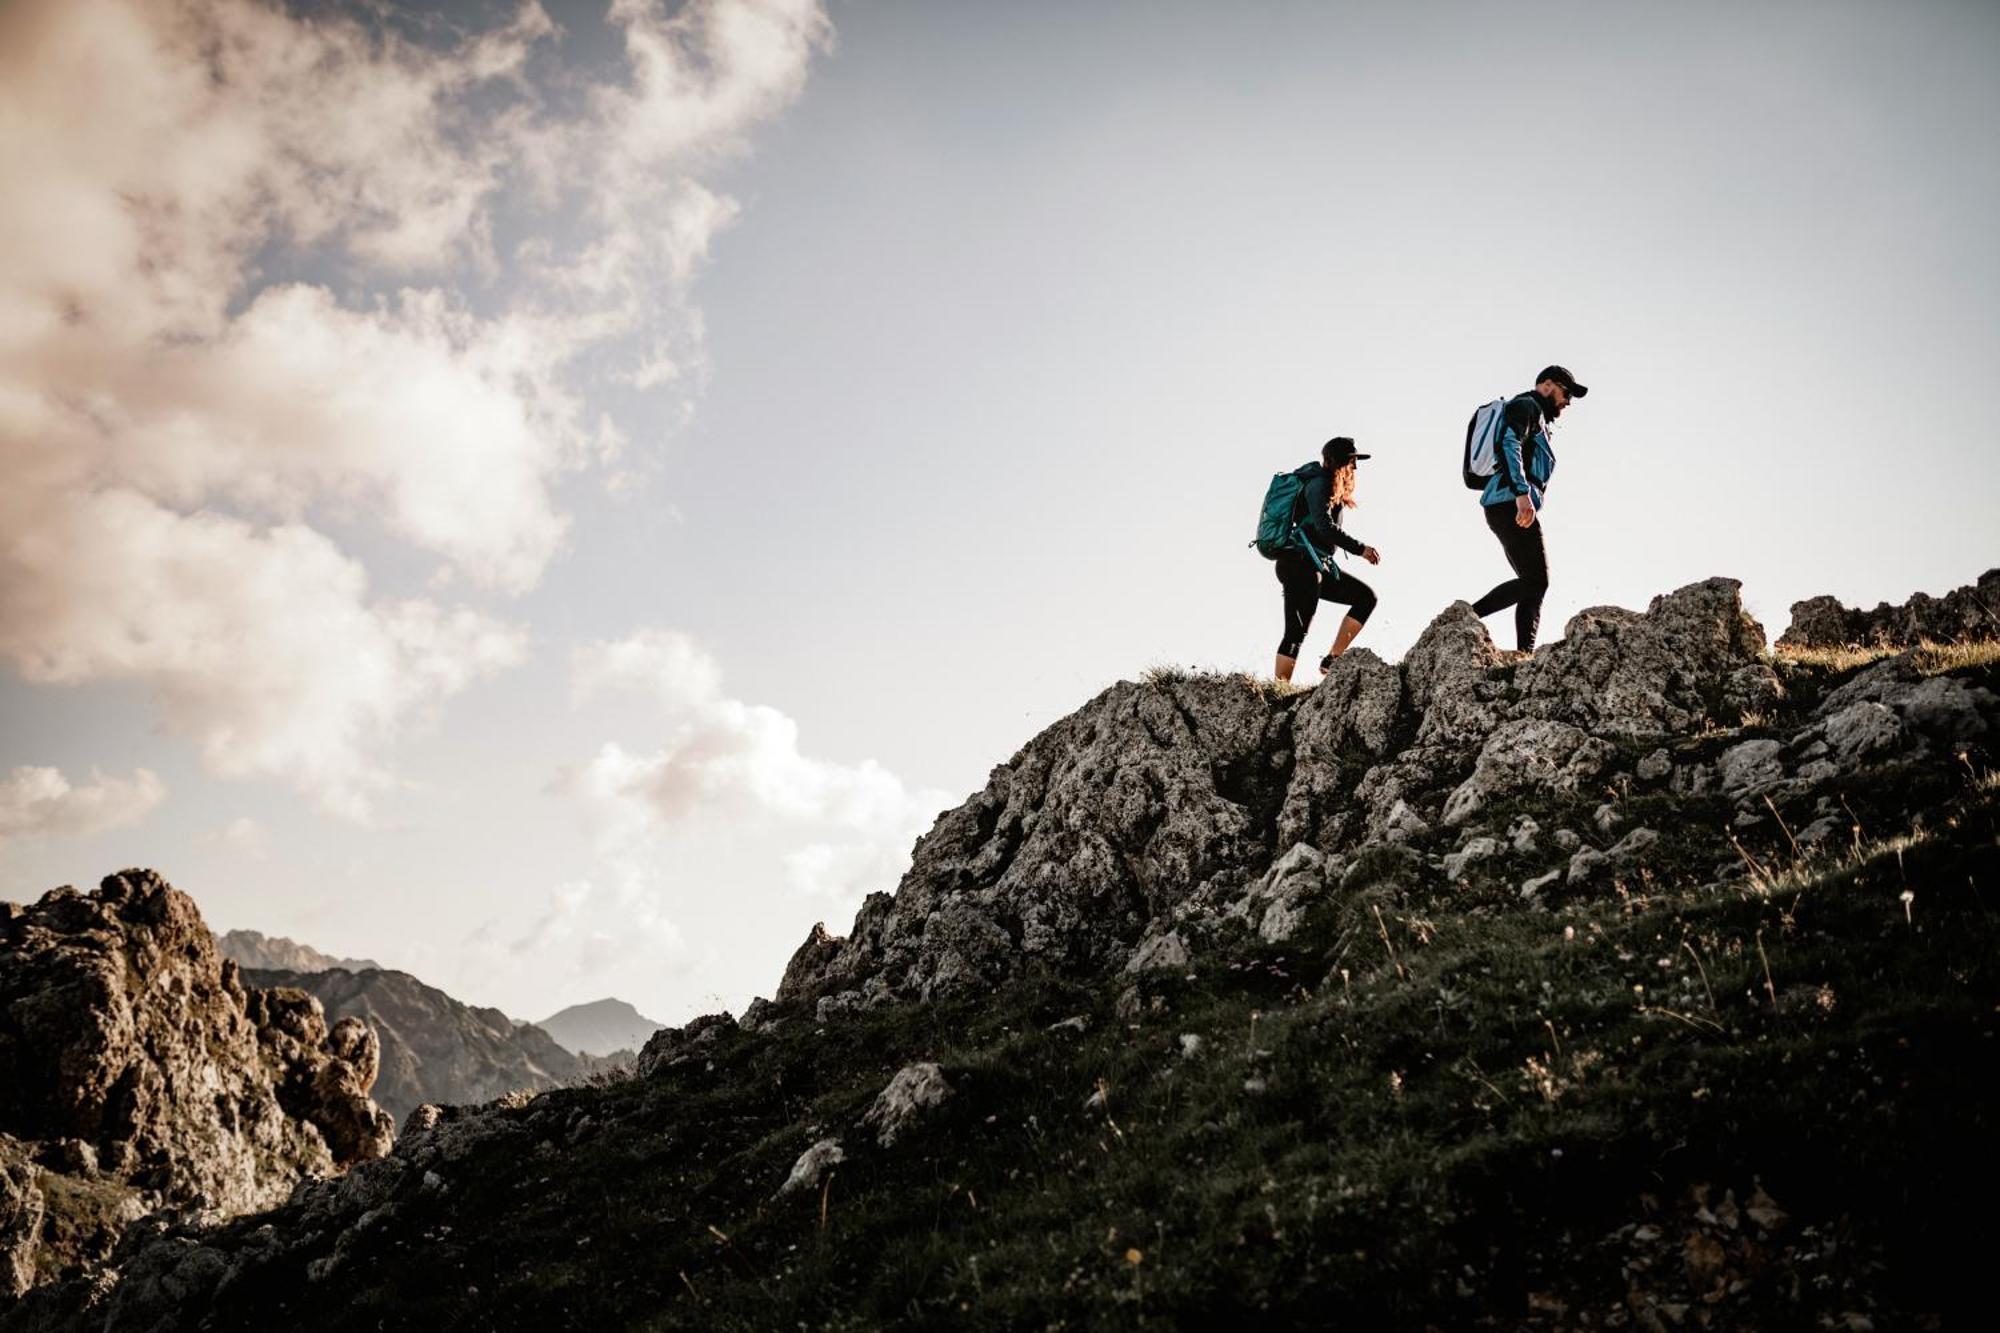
x=1529 y=560
x=1306 y=588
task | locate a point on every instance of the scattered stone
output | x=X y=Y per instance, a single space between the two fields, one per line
x=1654 y=766
x=1750 y=767
x=1163 y=952
x=916 y=1089
x=1191 y=1045
x=813 y=1163
x=1536 y=886
x=1474 y=851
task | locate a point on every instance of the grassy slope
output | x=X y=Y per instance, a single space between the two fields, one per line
x=1753 y=1101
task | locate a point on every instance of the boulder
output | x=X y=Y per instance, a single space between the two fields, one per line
x=915 y=1090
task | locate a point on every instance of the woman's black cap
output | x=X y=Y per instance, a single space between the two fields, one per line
x=1338 y=450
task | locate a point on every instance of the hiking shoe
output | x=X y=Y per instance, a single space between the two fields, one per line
x=1326 y=664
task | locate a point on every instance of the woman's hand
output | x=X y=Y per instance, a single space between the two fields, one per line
x=1371 y=555
x=1524 y=512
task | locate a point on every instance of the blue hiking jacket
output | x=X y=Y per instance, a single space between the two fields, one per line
x=1526 y=460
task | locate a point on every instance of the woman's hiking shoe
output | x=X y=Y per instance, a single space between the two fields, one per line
x=1326 y=664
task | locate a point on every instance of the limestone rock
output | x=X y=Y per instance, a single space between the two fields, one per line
x=915 y=1090
x=1345 y=724
x=672 y=1047
x=1533 y=755
x=1104 y=822
x=1751 y=767
x=1476 y=850
x=813 y=1163
x=1620 y=674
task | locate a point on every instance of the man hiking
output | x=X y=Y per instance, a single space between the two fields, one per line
x=1329 y=488
x=1512 y=500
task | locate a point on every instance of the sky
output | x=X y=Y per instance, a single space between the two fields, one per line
x=556 y=498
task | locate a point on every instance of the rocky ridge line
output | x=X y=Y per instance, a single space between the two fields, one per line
x=1962 y=615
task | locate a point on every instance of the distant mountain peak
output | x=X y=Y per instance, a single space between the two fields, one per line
x=600 y=1027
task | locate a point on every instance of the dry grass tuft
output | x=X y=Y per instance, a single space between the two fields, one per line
x=1930 y=659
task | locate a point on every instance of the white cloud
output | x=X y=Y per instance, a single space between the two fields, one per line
x=723 y=759
x=257 y=644
x=41 y=802
x=242 y=836
x=671 y=666
x=178 y=430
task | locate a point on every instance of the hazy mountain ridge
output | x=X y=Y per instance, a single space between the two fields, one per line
x=254 y=949
x=1647 y=983
x=601 y=1028
x=435 y=1048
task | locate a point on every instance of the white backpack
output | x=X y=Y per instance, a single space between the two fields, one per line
x=1482 y=443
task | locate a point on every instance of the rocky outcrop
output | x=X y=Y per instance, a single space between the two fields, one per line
x=1968 y=613
x=275 y=953
x=137 y=1071
x=1156 y=812
x=432 y=1047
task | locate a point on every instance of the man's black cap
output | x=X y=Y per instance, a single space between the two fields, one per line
x=1338 y=450
x=1564 y=378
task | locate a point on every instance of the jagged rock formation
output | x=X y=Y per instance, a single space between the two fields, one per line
x=137 y=1071
x=604 y=1027
x=435 y=1049
x=1453 y=992
x=274 y=953
x=1151 y=812
x=1968 y=613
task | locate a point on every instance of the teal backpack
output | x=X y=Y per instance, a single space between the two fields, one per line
x=1278 y=526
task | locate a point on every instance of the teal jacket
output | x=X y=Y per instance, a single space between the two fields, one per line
x=1526 y=460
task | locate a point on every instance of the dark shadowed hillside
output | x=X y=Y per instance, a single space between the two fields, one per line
x=1649 y=983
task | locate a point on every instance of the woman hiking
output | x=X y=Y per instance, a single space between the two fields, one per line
x=1329 y=488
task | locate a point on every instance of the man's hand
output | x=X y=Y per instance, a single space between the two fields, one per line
x=1524 y=512
x=1371 y=555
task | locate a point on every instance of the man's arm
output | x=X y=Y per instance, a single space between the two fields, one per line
x=1517 y=427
